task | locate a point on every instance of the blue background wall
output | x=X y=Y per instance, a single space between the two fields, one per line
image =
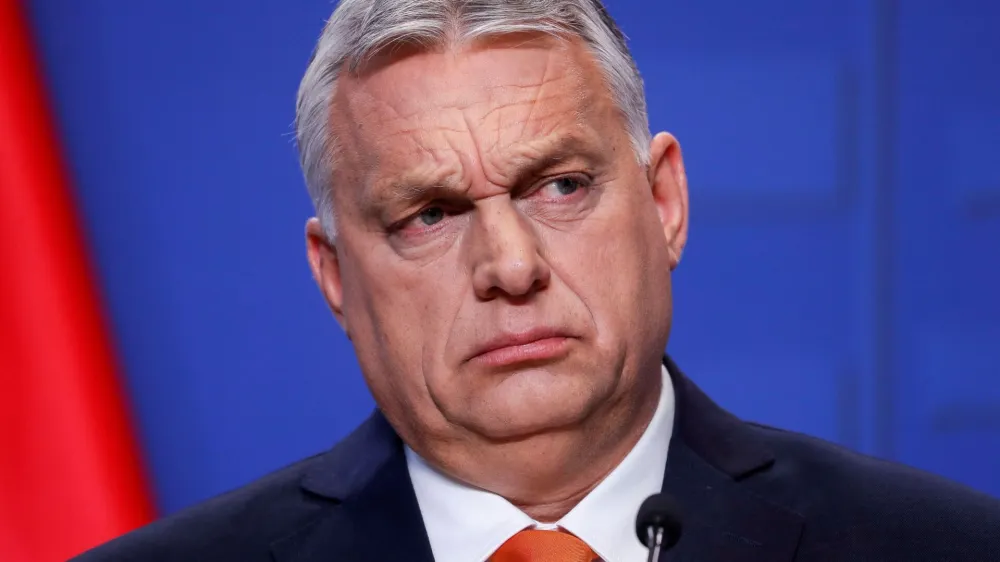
x=841 y=278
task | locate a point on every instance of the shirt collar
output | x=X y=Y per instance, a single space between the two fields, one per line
x=465 y=523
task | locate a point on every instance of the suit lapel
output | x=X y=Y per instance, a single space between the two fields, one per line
x=723 y=521
x=371 y=512
x=712 y=461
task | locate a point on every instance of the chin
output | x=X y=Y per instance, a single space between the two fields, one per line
x=533 y=413
x=527 y=428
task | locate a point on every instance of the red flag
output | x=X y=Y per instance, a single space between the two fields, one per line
x=70 y=474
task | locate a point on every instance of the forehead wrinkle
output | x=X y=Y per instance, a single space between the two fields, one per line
x=521 y=161
x=559 y=99
x=353 y=162
x=401 y=104
x=515 y=141
x=553 y=117
x=433 y=173
x=538 y=97
x=405 y=145
x=507 y=98
x=535 y=114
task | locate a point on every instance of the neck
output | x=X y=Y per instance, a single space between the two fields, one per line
x=553 y=511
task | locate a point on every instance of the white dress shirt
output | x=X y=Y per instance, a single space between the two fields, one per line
x=466 y=524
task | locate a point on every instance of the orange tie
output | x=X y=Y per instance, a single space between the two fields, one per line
x=533 y=545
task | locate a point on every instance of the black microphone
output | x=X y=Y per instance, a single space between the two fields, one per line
x=658 y=524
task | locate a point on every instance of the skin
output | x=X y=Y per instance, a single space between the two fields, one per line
x=486 y=190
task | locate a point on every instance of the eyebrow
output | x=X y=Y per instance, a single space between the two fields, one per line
x=420 y=186
x=552 y=153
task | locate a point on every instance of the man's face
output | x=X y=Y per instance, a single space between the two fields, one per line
x=502 y=264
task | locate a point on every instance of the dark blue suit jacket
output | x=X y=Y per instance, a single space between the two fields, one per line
x=749 y=493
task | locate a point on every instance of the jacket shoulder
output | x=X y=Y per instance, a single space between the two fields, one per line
x=238 y=525
x=858 y=502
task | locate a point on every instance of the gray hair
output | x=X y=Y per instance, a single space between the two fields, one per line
x=360 y=28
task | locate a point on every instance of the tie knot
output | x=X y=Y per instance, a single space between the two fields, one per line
x=534 y=545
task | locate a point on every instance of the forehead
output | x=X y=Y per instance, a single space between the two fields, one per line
x=494 y=99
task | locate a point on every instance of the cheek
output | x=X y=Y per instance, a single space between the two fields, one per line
x=400 y=312
x=598 y=264
x=395 y=327
x=617 y=264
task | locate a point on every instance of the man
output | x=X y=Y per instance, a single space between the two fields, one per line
x=495 y=233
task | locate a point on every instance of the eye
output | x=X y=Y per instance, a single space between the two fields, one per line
x=436 y=216
x=430 y=216
x=563 y=188
x=565 y=185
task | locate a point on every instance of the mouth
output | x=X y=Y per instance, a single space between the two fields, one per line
x=532 y=346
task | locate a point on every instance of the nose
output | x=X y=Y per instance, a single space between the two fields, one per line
x=505 y=253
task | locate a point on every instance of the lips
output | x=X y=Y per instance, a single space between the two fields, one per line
x=538 y=344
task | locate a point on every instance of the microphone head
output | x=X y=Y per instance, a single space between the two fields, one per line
x=659 y=510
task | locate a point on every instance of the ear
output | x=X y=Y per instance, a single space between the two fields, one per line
x=670 y=195
x=325 y=265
